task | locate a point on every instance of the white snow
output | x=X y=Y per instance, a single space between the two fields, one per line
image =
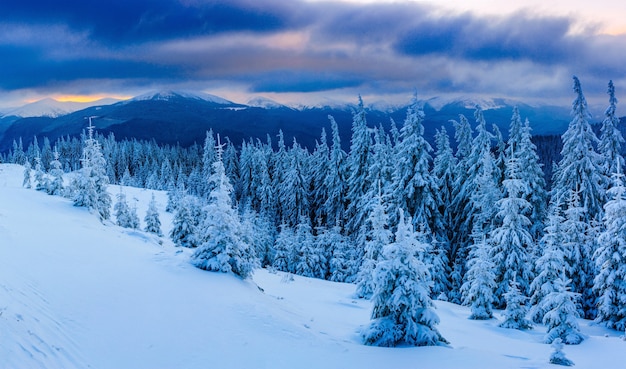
x=75 y=293
x=49 y=107
x=264 y=102
x=169 y=94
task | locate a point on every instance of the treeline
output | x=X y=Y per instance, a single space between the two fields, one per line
x=486 y=221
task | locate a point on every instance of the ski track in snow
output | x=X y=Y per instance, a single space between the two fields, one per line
x=75 y=293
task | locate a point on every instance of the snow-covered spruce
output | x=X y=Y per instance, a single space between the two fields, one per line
x=185 y=222
x=558 y=357
x=403 y=313
x=221 y=243
x=516 y=308
x=610 y=258
x=477 y=291
x=153 y=223
x=561 y=317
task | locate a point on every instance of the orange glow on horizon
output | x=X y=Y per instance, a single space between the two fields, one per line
x=87 y=98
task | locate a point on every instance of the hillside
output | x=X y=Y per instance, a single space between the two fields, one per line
x=75 y=293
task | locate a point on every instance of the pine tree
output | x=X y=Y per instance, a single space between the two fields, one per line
x=415 y=187
x=343 y=261
x=378 y=236
x=403 y=312
x=611 y=138
x=334 y=207
x=480 y=282
x=185 y=222
x=27 y=182
x=561 y=316
x=222 y=248
x=558 y=357
x=283 y=247
x=55 y=186
x=41 y=181
x=310 y=261
x=610 y=258
x=122 y=211
x=89 y=188
x=511 y=239
x=153 y=223
x=444 y=172
x=580 y=167
x=549 y=266
x=358 y=163
x=516 y=309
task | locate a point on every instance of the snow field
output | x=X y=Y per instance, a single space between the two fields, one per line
x=75 y=293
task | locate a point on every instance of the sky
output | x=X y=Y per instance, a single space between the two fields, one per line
x=312 y=51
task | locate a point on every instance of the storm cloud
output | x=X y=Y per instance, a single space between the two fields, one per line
x=279 y=46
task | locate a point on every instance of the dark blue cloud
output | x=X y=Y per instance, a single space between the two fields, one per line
x=28 y=68
x=303 y=81
x=132 y=21
x=518 y=37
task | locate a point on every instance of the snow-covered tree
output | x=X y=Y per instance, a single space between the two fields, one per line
x=122 y=211
x=221 y=243
x=283 y=247
x=153 y=223
x=403 y=312
x=343 y=261
x=561 y=316
x=358 y=162
x=414 y=187
x=185 y=222
x=610 y=258
x=55 y=185
x=477 y=290
x=549 y=266
x=89 y=187
x=310 y=261
x=516 y=308
x=378 y=237
x=334 y=207
x=511 y=239
x=27 y=182
x=580 y=167
x=557 y=357
x=611 y=138
x=444 y=167
x=41 y=180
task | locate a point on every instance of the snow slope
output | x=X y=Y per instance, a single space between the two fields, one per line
x=75 y=293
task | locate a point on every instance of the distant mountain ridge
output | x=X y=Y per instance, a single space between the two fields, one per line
x=177 y=117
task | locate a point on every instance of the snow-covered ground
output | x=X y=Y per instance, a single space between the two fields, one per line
x=75 y=293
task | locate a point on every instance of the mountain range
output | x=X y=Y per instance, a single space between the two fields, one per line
x=175 y=117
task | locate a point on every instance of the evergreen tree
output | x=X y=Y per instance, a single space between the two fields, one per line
x=444 y=172
x=403 y=312
x=378 y=236
x=578 y=243
x=55 y=186
x=89 y=188
x=185 y=222
x=511 y=239
x=516 y=309
x=358 y=163
x=415 y=187
x=41 y=181
x=580 y=167
x=343 y=261
x=122 y=211
x=558 y=357
x=479 y=280
x=611 y=138
x=310 y=261
x=283 y=247
x=610 y=258
x=561 y=316
x=27 y=182
x=334 y=207
x=549 y=266
x=222 y=248
x=153 y=223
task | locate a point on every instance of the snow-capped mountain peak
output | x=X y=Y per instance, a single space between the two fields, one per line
x=171 y=94
x=264 y=102
x=52 y=108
